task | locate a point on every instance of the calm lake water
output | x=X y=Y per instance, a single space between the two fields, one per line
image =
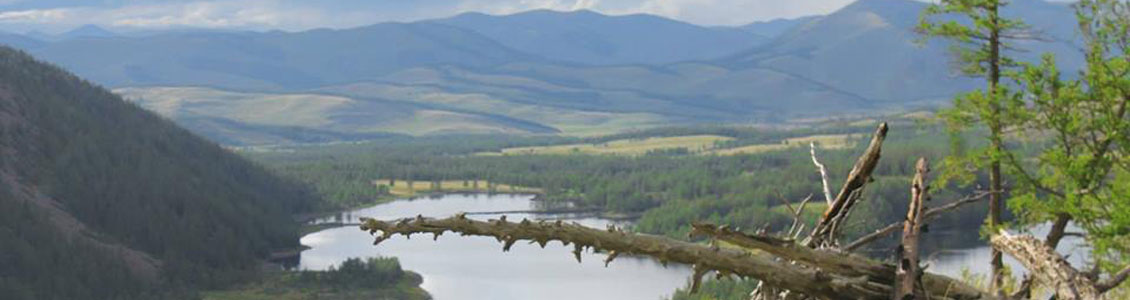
x=457 y=267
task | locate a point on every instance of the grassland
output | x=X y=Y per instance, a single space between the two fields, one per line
x=401 y=188
x=569 y=121
x=694 y=144
x=830 y=141
x=301 y=110
x=358 y=110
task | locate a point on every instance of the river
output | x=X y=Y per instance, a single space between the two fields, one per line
x=457 y=267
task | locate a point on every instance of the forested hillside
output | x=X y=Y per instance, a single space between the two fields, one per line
x=102 y=199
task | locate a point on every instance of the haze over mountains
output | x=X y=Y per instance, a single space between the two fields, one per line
x=536 y=72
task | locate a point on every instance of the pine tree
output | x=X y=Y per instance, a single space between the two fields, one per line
x=980 y=35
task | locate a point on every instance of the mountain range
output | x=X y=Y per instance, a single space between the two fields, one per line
x=538 y=72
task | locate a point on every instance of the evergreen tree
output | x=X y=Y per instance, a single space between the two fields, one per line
x=980 y=36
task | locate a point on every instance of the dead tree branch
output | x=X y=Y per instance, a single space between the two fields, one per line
x=844 y=264
x=808 y=281
x=824 y=233
x=1047 y=266
x=798 y=215
x=1114 y=280
x=823 y=173
x=824 y=281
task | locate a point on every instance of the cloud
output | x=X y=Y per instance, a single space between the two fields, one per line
x=33 y=16
x=735 y=12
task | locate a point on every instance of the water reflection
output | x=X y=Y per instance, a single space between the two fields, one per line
x=476 y=268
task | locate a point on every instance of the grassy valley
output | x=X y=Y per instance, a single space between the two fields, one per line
x=242 y=118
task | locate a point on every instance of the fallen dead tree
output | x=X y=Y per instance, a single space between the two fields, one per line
x=831 y=275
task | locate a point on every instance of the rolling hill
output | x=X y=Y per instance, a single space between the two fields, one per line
x=587 y=37
x=273 y=60
x=100 y=199
x=245 y=118
x=777 y=27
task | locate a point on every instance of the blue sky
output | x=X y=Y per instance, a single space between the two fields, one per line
x=61 y=15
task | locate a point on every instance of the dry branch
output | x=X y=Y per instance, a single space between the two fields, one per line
x=809 y=281
x=1047 y=266
x=825 y=231
x=843 y=264
x=1114 y=280
x=823 y=173
x=837 y=277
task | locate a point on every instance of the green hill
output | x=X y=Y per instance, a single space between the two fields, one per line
x=100 y=199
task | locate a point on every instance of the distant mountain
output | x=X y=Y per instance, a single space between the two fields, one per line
x=776 y=27
x=548 y=72
x=87 y=31
x=869 y=49
x=588 y=37
x=100 y=199
x=272 y=60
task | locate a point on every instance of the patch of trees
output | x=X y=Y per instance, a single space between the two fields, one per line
x=355 y=273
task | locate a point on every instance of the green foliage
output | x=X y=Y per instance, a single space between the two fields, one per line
x=355 y=273
x=136 y=180
x=39 y=261
x=979 y=43
x=1081 y=167
x=373 y=278
x=979 y=36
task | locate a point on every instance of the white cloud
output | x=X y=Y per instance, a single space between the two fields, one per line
x=33 y=16
x=735 y=12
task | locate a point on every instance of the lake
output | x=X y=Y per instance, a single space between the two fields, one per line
x=456 y=267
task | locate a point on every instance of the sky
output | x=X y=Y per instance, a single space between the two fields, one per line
x=53 y=16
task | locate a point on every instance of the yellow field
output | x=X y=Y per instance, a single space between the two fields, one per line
x=401 y=188
x=693 y=143
x=827 y=141
x=697 y=144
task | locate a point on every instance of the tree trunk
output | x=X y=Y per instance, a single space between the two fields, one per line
x=1047 y=267
x=909 y=272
